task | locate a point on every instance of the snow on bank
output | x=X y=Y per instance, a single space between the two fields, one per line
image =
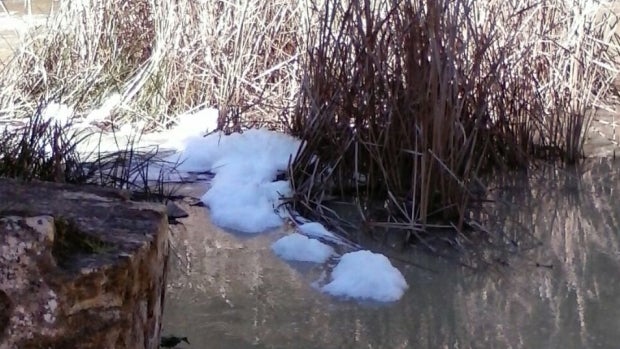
x=56 y=112
x=296 y=247
x=366 y=275
x=13 y=21
x=245 y=195
x=113 y=101
x=191 y=125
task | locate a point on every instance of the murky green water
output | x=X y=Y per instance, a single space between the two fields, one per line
x=229 y=291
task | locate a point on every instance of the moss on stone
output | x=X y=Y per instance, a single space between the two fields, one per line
x=69 y=241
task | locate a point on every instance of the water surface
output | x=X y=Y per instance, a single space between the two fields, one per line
x=230 y=291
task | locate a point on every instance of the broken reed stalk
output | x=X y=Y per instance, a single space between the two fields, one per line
x=404 y=103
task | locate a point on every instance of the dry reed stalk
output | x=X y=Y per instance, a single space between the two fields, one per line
x=418 y=97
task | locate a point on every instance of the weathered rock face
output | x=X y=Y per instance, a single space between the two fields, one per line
x=80 y=267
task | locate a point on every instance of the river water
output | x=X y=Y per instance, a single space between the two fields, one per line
x=230 y=291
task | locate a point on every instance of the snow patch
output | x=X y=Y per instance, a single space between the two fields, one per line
x=245 y=195
x=366 y=275
x=112 y=102
x=60 y=113
x=296 y=247
x=192 y=125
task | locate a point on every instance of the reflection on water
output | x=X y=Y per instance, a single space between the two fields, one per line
x=230 y=291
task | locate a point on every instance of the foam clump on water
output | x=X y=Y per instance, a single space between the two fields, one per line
x=314 y=229
x=366 y=275
x=296 y=247
x=245 y=195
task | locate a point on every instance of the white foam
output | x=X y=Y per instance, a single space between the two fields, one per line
x=316 y=230
x=190 y=125
x=296 y=247
x=366 y=275
x=244 y=195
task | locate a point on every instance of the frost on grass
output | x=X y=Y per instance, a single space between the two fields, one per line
x=366 y=275
x=245 y=195
x=296 y=247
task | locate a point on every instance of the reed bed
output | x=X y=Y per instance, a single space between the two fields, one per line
x=402 y=105
x=405 y=104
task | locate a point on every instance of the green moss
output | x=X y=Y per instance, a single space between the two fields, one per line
x=69 y=242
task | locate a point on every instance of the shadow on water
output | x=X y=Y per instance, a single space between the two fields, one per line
x=232 y=292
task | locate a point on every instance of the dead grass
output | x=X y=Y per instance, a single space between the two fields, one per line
x=163 y=57
x=404 y=104
x=41 y=148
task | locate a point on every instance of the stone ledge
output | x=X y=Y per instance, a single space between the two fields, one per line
x=80 y=267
